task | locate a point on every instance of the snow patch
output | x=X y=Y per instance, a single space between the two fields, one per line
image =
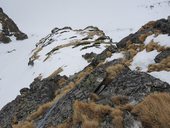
x=0 y=26
x=162 y=39
x=115 y=56
x=162 y=75
x=143 y=59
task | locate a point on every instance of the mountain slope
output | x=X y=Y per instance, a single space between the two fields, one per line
x=116 y=88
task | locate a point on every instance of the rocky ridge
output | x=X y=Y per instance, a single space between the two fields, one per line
x=8 y=28
x=107 y=93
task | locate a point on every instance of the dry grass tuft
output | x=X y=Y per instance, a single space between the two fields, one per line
x=132 y=53
x=25 y=124
x=154 y=46
x=89 y=114
x=119 y=100
x=41 y=109
x=88 y=123
x=142 y=37
x=109 y=54
x=117 y=116
x=163 y=65
x=114 y=70
x=154 y=111
x=94 y=97
x=148 y=25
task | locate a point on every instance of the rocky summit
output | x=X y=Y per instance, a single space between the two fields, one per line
x=8 y=28
x=113 y=90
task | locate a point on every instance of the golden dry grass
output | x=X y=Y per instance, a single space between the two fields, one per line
x=154 y=111
x=41 y=109
x=142 y=37
x=109 y=54
x=94 y=97
x=148 y=25
x=25 y=124
x=58 y=94
x=164 y=65
x=114 y=70
x=119 y=100
x=89 y=114
x=154 y=46
x=117 y=116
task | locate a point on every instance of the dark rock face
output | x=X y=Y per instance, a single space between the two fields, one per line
x=163 y=25
x=135 y=85
x=162 y=56
x=62 y=109
x=89 y=56
x=39 y=93
x=9 y=28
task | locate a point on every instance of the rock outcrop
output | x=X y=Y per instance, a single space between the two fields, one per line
x=8 y=28
x=107 y=93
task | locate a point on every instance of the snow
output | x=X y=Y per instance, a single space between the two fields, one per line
x=162 y=75
x=117 y=18
x=109 y=15
x=143 y=59
x=14 y=71
x=0 y=26
x=161 y=39
x=115 y=56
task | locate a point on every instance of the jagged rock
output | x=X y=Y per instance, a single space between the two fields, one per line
x=135 y=85
x=9 y=28
x=39 y=93
x=102 y=56
x=163 y=25
x=89 y=56
x=162 y=56
x=62 y=109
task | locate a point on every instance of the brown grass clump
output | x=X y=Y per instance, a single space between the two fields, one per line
x=119 y=100
x=59 y=93
x=132 y=49
x=154 y=111
x=89 y=114
x=62 y=81
x=41 y=109
x=94 y=97
x=163 y=65
x=117 y=116
x=63 y=125
x=109 y=54
x=24 y=125
x=88 y=123
x=142 y=37
x=114 y=70
x=82 y=74
x=132 y=53
x=154 y=46
x=148 y=25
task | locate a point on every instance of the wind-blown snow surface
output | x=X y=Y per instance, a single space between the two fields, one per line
x=117 y=18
